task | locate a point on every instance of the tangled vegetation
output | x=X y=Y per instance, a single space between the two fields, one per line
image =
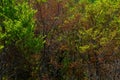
x=59 y=39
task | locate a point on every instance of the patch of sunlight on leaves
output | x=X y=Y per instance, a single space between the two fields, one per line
x=42 y=1
x=103 y=41
x=113 y=34
x=84 y=48
x=1 y=47
x=66 y=21
x=89 y=31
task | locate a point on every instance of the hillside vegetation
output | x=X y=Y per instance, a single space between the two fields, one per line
x=59 y=39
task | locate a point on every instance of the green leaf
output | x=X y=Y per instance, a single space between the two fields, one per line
x=1 y=47
x=43 y=1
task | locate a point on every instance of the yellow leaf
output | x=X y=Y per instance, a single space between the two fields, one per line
x=84 y=48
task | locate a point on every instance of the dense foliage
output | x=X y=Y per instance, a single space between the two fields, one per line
x=59 y=39
x=17 y=33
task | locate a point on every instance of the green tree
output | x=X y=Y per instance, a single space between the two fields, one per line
x=17 y=25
